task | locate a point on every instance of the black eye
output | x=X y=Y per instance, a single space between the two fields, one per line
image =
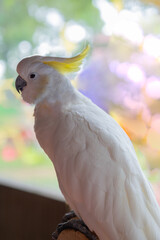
x=32 y=75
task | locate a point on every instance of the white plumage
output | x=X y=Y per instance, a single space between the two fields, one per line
x=96 y=165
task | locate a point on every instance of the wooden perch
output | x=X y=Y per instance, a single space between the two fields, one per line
x=70 y=234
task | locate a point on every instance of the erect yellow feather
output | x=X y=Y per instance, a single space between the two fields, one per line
x=68 y=65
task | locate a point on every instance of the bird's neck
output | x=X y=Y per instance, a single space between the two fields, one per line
x=58 y=91
x=50 y=111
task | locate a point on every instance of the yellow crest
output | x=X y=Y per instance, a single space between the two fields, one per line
x=68 y=65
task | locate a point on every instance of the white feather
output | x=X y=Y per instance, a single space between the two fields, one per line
x=97 y=169
x=95 y=162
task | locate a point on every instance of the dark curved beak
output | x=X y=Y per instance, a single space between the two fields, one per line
x=20 y=84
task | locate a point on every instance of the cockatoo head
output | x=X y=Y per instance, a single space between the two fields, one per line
x=37 y=74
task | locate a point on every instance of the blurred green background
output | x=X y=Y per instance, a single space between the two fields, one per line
x=121 y=75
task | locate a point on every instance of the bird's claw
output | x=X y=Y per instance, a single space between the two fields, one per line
x=68 y=216
x=55 y=235
x=75 y=224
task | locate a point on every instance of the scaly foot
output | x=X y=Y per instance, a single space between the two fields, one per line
x=75 y=224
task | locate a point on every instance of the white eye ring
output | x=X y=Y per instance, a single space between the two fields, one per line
x=32 y=75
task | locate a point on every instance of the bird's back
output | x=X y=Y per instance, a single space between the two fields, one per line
x=99 y=174
x=103 y=181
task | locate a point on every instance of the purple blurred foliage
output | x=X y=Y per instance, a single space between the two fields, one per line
x=94 y=83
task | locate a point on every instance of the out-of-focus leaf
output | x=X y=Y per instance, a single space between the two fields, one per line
x=82 y=11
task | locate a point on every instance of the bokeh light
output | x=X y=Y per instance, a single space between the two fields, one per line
x=75 y=33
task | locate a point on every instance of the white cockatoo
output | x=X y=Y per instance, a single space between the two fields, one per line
x=95 y=162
